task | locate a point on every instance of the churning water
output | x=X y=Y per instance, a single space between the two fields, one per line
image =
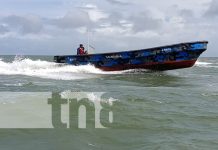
x=151 y=110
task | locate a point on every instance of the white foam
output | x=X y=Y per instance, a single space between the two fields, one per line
x=203 y=63
x=206 y=64
x=91 y=96
x=15 y=84
x=50 y=70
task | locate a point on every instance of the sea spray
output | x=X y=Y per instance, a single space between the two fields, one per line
x=49 y=70
x=206 y=64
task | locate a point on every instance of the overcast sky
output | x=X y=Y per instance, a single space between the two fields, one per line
x=50 y=27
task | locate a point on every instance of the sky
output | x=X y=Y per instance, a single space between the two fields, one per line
x=57 y=27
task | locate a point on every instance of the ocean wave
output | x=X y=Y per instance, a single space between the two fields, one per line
x=203 y=63
x=15 y=84
x=49 y=70
x=18 y=84
x=91 y=96
x=206 y=64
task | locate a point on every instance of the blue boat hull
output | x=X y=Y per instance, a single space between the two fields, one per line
x=169 y=57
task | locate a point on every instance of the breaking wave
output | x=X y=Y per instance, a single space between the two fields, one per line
x=49 y=70
x=206 y=64
x=91 y=96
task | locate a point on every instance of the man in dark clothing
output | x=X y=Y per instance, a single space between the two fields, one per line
x=81 y=50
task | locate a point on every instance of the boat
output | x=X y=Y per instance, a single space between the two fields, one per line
x=176 y=56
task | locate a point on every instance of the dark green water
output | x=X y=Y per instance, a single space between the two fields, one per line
x=151 y=110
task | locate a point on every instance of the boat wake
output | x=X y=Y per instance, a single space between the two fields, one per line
x=206 y=64
x=49 y=70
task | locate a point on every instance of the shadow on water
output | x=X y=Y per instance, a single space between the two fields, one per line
x=150 y=79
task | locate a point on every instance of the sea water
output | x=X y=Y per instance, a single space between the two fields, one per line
x=146 y=110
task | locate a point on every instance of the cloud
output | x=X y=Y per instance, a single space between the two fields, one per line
x=212 y=10
x=113 y=19
x=130 y=23
x=117 y=2
x=143 y=21
x=3 y=29
x=24 y=24
x=186 y=13
x=88 y=7
x=108 y=22
x=95 y=14
x=84 y=16
x=73 y=19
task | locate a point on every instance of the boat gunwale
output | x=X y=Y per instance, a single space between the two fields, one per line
x=146 y=49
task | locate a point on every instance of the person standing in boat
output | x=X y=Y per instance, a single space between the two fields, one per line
x=81 y=50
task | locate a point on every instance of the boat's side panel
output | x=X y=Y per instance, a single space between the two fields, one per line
x=162 y=58
x=170 y=65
